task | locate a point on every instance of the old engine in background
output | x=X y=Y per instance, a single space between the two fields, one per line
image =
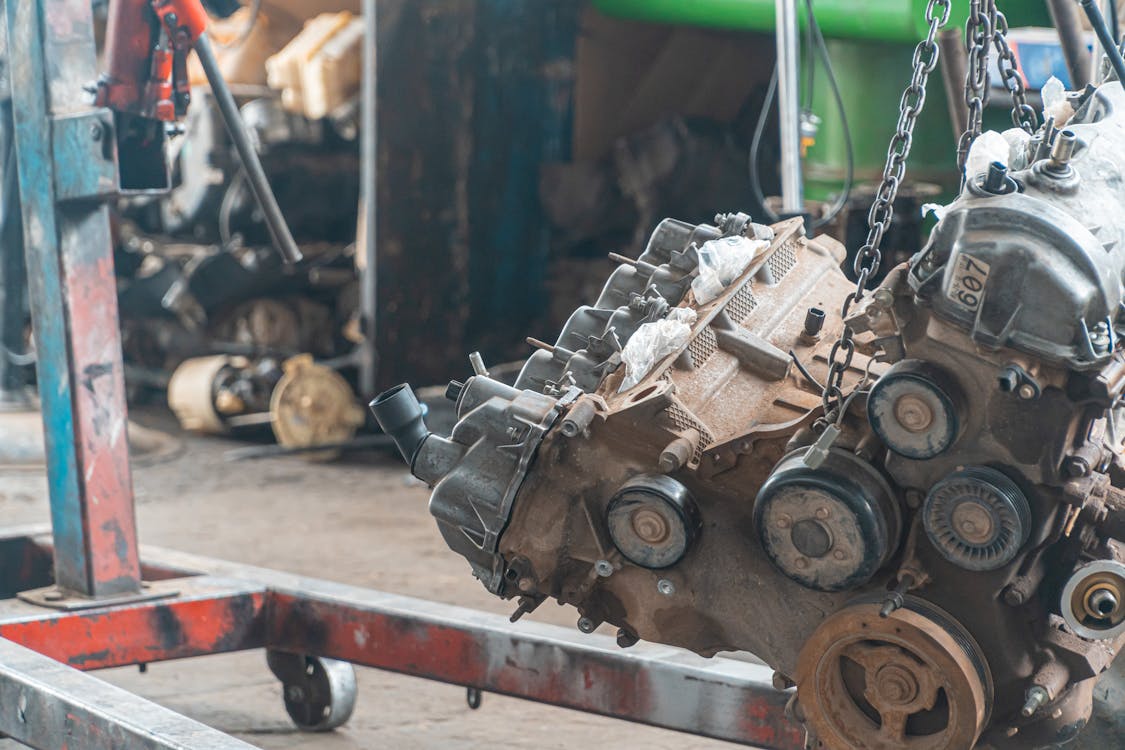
x=935 y=562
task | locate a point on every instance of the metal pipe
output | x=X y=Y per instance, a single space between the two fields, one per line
x=240 y=136
x=954 y=69
x=1072 y=38
x=1109 y=46
x=789 y=107
x=13 y=266
x=60 y=706
x=369 y=210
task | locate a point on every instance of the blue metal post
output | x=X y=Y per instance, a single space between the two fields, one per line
x=66 y=168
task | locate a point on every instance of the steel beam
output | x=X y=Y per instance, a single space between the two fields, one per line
x=232 y=607
x=199 y=616
x=656 y=685
x=662 y=686
x=48 y=705
x=73 y=293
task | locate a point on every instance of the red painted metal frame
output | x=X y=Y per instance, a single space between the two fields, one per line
x=216 y=607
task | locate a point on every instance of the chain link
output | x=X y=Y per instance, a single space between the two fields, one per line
x=978 y=35
x=1023 y=115
x=986 y=27
x=881 y=216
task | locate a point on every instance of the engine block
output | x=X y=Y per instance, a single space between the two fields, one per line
x=935 y=561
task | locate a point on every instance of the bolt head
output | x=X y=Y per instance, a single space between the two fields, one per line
x=1076 y=466
x=913 y=413
x=665 y=587
x=603 y=568
x=1027 y=391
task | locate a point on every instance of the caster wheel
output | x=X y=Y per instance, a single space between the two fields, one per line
x=319 y=693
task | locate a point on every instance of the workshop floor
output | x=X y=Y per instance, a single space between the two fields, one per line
x=364 y=523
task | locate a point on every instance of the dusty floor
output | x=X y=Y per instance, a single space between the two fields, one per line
x=363 y=522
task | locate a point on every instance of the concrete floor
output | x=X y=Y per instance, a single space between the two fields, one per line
x=365 y=523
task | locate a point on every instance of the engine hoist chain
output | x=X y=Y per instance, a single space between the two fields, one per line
x=881 y=216
x=1023 y=114
x=987 y=26
x=978 y=33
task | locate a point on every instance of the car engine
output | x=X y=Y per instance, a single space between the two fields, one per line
x=935 y=561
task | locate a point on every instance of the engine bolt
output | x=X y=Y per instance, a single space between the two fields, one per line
x=1062 y=151
x=913 y=413
x=1027 y=391
x=586 y=625
x=840 y=554
x=625 y=639
x=1076 y=466
x=1103 y=602
x=603 y=568
x=1037 y=697
x=801 y=563
x=823 y=513
x=784 y=521
x=666 y=587
x=1100 y=338
x=1013 y=597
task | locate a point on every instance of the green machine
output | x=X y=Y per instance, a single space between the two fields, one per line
x=870 y=43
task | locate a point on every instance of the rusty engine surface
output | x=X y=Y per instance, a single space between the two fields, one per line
x=937 y=561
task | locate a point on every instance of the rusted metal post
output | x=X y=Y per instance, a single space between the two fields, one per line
x=67 y=167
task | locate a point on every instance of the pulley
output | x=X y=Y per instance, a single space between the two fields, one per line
x=914 y=679
x=914 y=409
x=1093 y=600
x=977 y=518
x=828 y=528
x=653 y=521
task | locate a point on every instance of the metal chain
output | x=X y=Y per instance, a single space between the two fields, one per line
x=986 y=27
x=882 y=210
x=1023 y=115
x=978 y=35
